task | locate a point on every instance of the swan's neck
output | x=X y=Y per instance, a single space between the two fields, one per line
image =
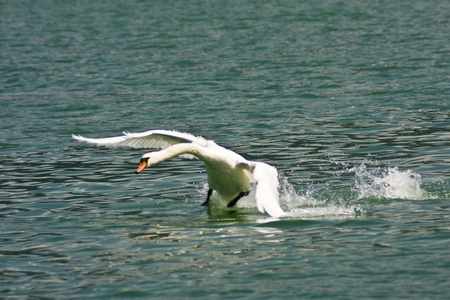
x=172 y=151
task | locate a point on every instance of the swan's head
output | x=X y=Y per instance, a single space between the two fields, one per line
x=144 y=163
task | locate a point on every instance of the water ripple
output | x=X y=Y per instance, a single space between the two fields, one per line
x=349 y=100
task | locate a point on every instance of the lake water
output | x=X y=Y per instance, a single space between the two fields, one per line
x=350 y=100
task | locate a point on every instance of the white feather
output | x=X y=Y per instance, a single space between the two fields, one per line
x=266 y=193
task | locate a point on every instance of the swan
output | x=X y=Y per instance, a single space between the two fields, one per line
x=230 y=176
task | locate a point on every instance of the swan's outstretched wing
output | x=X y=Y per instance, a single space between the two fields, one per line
x=267 y=189
x=149 y=139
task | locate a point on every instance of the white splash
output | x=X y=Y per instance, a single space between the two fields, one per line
x=388 y=183
x=312 y=206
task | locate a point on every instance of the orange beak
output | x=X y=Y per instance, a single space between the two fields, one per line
x=142 y=165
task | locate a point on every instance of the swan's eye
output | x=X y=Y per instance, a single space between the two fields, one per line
x=144 y=159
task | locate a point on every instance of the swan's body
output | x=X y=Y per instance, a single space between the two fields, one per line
x=230 y=175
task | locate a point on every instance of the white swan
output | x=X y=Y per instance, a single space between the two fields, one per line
x=230 y=176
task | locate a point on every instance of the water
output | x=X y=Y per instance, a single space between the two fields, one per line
x=348 y=99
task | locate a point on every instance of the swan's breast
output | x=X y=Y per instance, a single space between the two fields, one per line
x=228 y=180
